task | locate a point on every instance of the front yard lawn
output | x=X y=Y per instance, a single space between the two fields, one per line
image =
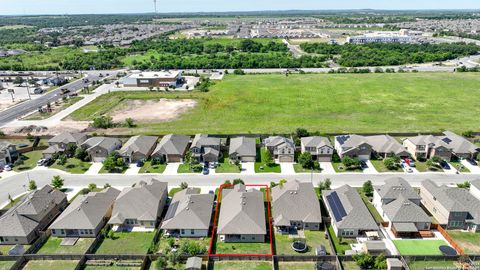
x=119 y=170
x=296 y=265
x=459 y=166
x=380 y=167
x=422 y=167
x=299 y=169
x=50 y=265
x=340 y=168
x=419 y=246
x=261 y=167
x=149 y=168
x=467 y=240
x=6 y=265
x=185 y=168
x=126 y=243
x=242 y=265
x=29 y=161
x=73 y=165
x=313 y=239
x=242 y=248
x=340 y=246
x=163 y=245
x=422 y=265
x=227 y=167
x=52 y=246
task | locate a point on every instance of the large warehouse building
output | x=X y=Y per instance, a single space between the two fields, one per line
x=153 y=79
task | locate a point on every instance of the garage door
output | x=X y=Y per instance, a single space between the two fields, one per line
x=364 y=157
x=324 y=159
x=285 y=159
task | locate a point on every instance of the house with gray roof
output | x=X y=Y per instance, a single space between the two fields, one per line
x=171 y=148
x=354 y=146
x=59 y=143
x=424 y=147
x=452 y=207
x=243 y=149
x=86 y=215
x=319 y=147
x=385 y=145
x=391 y=190
x=139 y=206
x=281 y=148
x=242 y=215
x=295 y=205
x=189 y=214
x=98 y=148
x=475 y=188
x=350 y=216
x=206 y=148
x=460 y=147
x=138 y=148
x=8 y=153
x=22 y=223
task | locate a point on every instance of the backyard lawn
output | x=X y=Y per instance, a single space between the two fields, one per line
x=313 y=239
x=149 y=168
x=340 y=246
x=6 y=265
x=29 y=161
x=351 y=265
x=380 y=167
x=470 y=242
x=163 y=242
x=73 y=165
x=419 y=246
x=335 y=103
x=126 y=243
x=242 y=265
x=50 y=265
x=4 y=249
x=296 y=265
x=261 y=167
x=52 y=246
x=114 y=267
x=242 y=248
x=422 y=265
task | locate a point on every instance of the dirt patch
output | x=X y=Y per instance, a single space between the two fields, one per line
x=152 y=110
x=70 y=126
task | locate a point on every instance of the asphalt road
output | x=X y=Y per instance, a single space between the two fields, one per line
x=28 y=106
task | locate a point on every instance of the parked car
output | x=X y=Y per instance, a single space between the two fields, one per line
x=205 y=171
x=363 y=164
x=41 y=162
x=7 y=168
x=472 y=161
x=213 y=165
x=140 y=164
x=65 y=91
x=444 y=165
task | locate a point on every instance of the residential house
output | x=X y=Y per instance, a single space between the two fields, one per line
x=385 y=145
x=8 y=153
x=354 y=146
x=424 y=147
x=452 y=207
x=319 y=147
x=140 y=206
x=171 y=148
x=296 y=206
x=189 y=214
x=98 y=148
x=86 y=215
x=205 y=148
x=399 y=204
x=243 y=149
x=281 y=148
x=460 y=147
x=242 y=215
x=22 y=223
x=59 y=143
x=138 y=148
x=350 y=216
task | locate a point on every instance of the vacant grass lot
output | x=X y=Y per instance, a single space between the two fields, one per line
x=419 y=247
x=244 y=265
x=319 y=102
x=467 y=240
x=50 y=265
x=126 y=243
x=52 y=246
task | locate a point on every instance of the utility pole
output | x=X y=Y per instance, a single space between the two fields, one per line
x=12 y=91
x=155 y=5
x=28 y=88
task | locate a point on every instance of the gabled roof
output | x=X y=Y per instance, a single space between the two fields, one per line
x=24 y=217
x=356 y=215
x=458 y=144
x=140 y=202
x=68 y=137
x=52 y=149
x=202 y=140
x=295 y=201
x=189 y=210
x=172 y=144
x=5 y=144
x=404 y=210
x=395 y=187
x=102 y=142
x=138 y=144
x=386 y=144
x=243 y=146
x=426 y=140
x=316 y=141
x=86 y=211
x=278 y=142
x=242 y=211
x=350 y=141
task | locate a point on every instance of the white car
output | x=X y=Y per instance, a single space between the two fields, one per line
x=7 y=168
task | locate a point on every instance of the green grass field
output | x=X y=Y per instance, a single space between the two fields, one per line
x=296 y=265
x=242 y=265
x=419 y=247
x=242 y=248
x=422 y=265
x=50 y=265
x=52 y=246
x=408 y=102
x=466 y=240
x=126 y=243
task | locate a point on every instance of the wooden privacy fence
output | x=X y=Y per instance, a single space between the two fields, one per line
x=448 y=238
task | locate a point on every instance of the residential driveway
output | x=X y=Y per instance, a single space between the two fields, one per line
x=132 y=169
x=95 y=168
x=371 y=169
x=472 y=168
x=248 y=168
x=172 y=168
x=287 y=168
x=452 y=169
x=327 y=167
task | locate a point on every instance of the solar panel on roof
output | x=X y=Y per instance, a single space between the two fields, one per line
x=446 y=140
x=336 y=206
x=343 y=138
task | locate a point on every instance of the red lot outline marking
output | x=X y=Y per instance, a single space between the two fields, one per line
x=214 y=228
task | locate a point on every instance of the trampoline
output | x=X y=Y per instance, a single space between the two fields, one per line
x=299 y=246
x=448 y=251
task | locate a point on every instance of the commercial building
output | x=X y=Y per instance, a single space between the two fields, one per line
x=153 y=79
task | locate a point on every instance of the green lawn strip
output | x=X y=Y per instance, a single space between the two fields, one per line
x=351 y=265
x=52 y=246
x=185 y=168
x=380 y=167
x=242 y=248
x=459 y=166
x=73 y=165
x=422 y=265
x=313 y=239
x=467 y=240
x=163 y=243
x=149 y=168
x=419 y=247
x=126 y=243
x=299 y=169
x=113 y=267
x=4 y=249
x=40 y=116
x=173 y=191
x=422 y=167
x=340 y=247
x=243 y=265
x=378 y=218
x=29 y=161
x=227 y=167
x=119 y=170
x=6 y=265
x=261 y=167
x=296 y=265
x=50 y=265
x=11 y=204
x=340 y=168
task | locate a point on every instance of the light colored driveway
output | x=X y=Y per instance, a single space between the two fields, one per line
x=172 y=168
x=94 y=169
x=287 y=168
x=371 y=169
x=132 y=169
x=327 y=168
x=472 y=168
x=248 y=168
x=452 y=169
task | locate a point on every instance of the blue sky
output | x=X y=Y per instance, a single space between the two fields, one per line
x=139 y=6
